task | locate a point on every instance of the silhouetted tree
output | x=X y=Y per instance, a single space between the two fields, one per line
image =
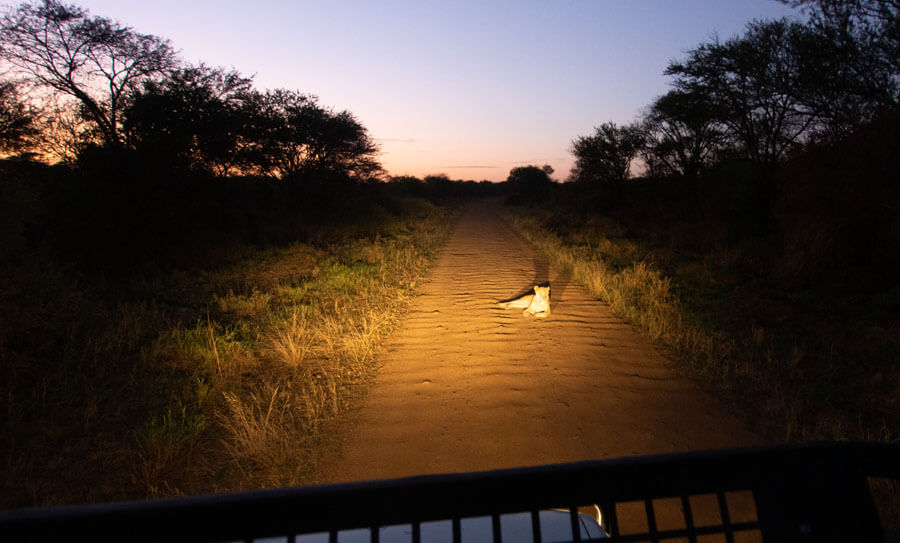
x=530 y=178
x=302 y=140
x=755 y=86
x=681 y=137
x=530 y=183
x=286 y=118
x=197 y=117
x=342 y=147
x=605 y=156
x=94 y=60
x=17 y=120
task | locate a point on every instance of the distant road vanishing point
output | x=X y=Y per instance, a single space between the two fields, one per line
x=466 y=386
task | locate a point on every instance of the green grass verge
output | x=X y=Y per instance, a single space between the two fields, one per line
x=200 y=381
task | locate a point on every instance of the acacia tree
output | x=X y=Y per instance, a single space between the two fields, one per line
x=756 y=86
x=94 y=60
x=681 y=137
x=605 y=156
x=197 y=117
x=303 y=140
x=343 y=147
x=530 y=180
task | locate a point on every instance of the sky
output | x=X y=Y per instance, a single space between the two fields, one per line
x=466 y=88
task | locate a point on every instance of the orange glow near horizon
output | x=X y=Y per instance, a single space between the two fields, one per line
x=462 y=161
x=468 y=89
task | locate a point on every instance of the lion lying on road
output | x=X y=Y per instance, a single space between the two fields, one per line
x=536 y=303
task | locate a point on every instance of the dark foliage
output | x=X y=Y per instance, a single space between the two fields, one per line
x=303 y=141
x=756 y=86
x=744 y=113
x=681 y=137
x=18 y=120
x=213 y=122
x=861 y=59
x=605 y=156
x=529 y=184
x=838 y=208
x=194 y=119
x=116 y=214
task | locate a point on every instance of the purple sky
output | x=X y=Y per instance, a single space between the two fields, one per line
x=467 y=88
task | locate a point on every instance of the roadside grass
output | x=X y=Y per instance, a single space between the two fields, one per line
x=268 y=368
x=791 y=364
x=203 y=380
x=799 y=379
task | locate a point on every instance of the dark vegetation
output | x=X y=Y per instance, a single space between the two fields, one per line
x=199 y=283
x=157 y=347
x=762 y=239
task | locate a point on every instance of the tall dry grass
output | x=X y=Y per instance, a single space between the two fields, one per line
x=269 y=368
x=761 y=377
x=218 y=378
x=780 y=382
x=636 y=292
x=264 y=432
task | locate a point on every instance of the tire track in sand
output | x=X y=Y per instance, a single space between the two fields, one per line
x=466 y=386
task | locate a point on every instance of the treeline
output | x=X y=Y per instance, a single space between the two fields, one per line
x=786 y=133
x=763 y=97
x=94 y=84
x=158 y=163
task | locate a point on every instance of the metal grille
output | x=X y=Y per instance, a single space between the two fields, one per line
x=801 y=493
x=729 y=516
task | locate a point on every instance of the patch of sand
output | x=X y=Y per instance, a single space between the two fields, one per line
x=467 y=386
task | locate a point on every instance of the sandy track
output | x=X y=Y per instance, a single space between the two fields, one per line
x=467 y=386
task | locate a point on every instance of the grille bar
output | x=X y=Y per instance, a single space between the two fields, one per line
x=797 y=490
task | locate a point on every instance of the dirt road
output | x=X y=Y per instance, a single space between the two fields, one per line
x=465 y=385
